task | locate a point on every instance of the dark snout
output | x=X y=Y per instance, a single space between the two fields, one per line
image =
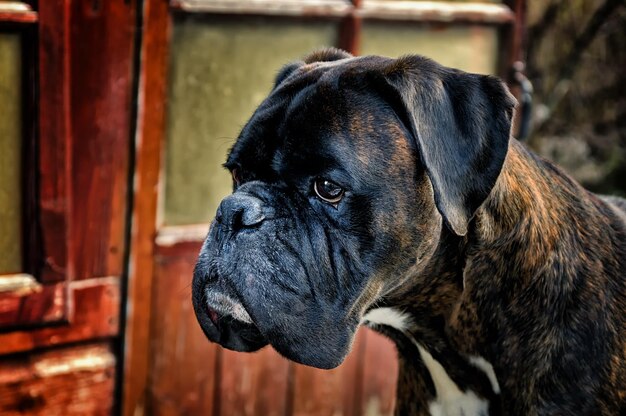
x=221 y=314
x=240 y=210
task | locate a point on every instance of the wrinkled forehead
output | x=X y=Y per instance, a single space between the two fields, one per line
x=324 y=115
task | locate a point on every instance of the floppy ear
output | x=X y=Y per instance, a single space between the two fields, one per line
x=285 y=71
x=461 y=124
x=322 y=55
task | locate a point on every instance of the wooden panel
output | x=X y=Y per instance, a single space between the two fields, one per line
x=94 y=313
x=54 y=140
x=331 y=392
x=101 y=42
x=380 y=374
x=65 y=382
x=150 y=126
x=254 y=384
x=183 y=362
x=24 y=301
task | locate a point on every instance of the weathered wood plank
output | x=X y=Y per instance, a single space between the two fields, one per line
x=150 y=129
x=94 y=313
x=331 y=392
x=54 y=138
x=24 y=301
x=101 y=68
x=253 y=384
x=63 y=382
x=182 y=361
x=380 y=373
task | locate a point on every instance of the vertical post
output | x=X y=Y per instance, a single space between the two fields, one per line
x=511 y=56
x=350 y=31
x=513 y=37
x=54 y=138
x=148 y=142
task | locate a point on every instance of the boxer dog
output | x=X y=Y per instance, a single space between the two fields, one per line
x=389 y=193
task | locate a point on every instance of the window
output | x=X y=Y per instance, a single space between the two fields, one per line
x=214 y=43
x=10 y=152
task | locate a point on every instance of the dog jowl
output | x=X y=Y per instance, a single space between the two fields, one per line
x=387 y=192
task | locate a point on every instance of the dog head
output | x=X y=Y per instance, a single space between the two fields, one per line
x=345 y=178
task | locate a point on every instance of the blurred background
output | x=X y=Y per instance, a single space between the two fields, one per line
x=115 y=117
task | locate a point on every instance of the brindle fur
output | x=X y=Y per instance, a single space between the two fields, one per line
x=512 y=261
x=539 y=293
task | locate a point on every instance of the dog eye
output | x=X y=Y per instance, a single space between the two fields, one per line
x=328 y=191
x=236 y=177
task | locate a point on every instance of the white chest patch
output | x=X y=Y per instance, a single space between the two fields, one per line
x=388 y=316
x=485 y=367
x=450 y=400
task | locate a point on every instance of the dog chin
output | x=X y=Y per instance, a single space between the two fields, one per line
x=229 y=332
x=237 y=335
x=315 y=358
x=315 y=342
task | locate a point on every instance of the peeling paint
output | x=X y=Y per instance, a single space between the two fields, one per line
x=20 y=284
x=90 y=362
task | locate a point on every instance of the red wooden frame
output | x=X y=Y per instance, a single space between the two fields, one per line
x=43 y=298
x=55 y=140
x=76 y=155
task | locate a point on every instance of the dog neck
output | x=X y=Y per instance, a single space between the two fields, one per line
x=515 y=242
x=531 y=201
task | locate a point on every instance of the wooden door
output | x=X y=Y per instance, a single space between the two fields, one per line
x=65 y=128
x=205 y=65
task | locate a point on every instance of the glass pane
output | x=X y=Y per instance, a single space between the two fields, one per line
x=220 y=70
x=471 y=48
x=10 y=154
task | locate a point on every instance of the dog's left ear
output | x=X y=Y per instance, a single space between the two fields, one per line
x=461 y=123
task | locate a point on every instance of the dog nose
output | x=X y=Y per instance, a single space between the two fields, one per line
x=240 y=210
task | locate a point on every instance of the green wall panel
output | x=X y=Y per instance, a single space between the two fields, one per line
x=471 y=48
x=10 y=154
x=220 y=70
